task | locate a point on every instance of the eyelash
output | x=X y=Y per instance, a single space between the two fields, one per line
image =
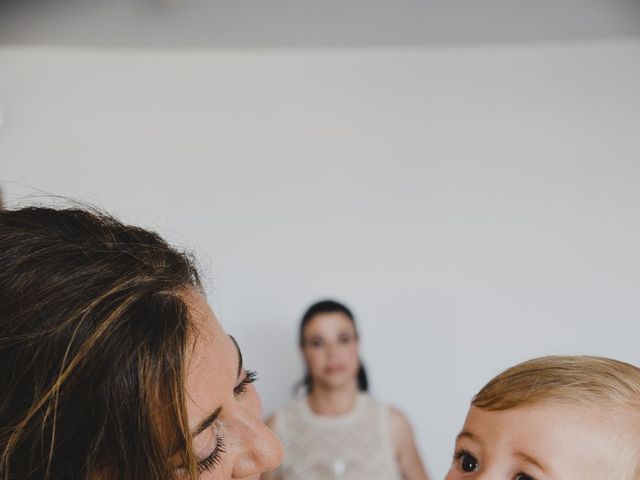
x=209 y=463
x=249 y=378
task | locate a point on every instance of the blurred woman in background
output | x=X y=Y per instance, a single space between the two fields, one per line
x=338 y=431
x=112 y=364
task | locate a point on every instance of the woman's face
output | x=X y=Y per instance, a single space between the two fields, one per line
x=330 y=349
x=229 y=438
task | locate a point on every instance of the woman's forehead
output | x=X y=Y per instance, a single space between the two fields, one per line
x=329 y=322
x=212 y=361
x=210 y=343
x=324 y=317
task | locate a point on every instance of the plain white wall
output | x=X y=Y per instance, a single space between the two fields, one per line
x=475 y=206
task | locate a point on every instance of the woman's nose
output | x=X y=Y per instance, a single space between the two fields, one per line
x=257 y=448
x=332 y=349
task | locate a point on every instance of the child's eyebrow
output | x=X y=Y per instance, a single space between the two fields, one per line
x=466 y=434
x=528 y=459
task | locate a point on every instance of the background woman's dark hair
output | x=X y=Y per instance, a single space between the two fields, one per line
x=329 y=306
x=94 y=333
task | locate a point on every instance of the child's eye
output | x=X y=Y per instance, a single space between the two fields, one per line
x=522 y=476
x=249 y=378
x=467 y=462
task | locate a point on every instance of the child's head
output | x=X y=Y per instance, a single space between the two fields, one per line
x=560 y=418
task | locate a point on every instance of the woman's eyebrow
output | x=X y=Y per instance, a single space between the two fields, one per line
x=240 y=363
x=206 y=423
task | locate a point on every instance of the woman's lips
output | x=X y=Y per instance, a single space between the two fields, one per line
x=334 y=369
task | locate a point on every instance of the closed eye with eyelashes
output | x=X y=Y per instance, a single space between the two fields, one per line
x=249 y=377
x=211 y=461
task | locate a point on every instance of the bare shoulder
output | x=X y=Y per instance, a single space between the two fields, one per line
x=400 y=425
x=405 y=447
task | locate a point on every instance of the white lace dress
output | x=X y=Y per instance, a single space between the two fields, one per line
x=353 y=446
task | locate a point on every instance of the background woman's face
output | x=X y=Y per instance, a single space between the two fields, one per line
x=230 y=440
x=330 y=349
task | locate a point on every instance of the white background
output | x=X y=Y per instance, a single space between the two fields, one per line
x=474 y=206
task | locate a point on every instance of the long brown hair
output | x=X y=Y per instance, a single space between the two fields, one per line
x=93 y=338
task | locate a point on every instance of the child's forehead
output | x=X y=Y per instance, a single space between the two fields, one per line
x=559 y=436
x=541 y=418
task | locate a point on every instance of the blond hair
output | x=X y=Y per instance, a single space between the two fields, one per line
x=573 y=379
x=579 y=380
